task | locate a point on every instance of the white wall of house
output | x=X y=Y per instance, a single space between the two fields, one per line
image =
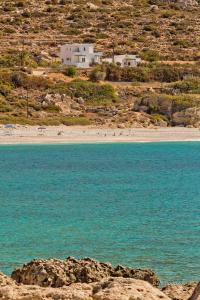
x=124 y=60
x=79 y=55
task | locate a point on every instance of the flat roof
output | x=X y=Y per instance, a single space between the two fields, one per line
x=77 y=44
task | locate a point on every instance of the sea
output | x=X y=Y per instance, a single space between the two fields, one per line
x=133 y=204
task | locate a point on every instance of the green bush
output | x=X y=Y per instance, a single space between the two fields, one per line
x=97 y=74
x=93 y=93
x=70 y=71
x=5 y=89
x=191 y=85
x=5 y=108
x=116 y=73
x=150 y=72
x=52 y=108
x=15 y=58
x=71 y=121
x=20 y=79
x=165 y=104
x=166 y=73
x=150 y=55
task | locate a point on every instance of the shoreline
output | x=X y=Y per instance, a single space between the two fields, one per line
x=93 y=135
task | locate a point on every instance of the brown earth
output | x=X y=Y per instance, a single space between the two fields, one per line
x=171 y=28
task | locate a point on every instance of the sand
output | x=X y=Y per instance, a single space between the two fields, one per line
x=82 y=134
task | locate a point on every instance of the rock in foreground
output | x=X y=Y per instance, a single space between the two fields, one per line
x=108 y=289
x=52 y=275
x=57 y=273
x=189 y=291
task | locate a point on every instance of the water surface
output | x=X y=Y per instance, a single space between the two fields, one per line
x=132 y=204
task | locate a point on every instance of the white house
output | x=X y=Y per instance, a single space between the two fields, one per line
x=126 y=60
x=79 y=55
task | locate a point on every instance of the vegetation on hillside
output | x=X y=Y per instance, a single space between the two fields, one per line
x=153 y=29
x=163 y=90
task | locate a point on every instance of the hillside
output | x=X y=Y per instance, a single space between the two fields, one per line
x=170 y=28
x=162 y=91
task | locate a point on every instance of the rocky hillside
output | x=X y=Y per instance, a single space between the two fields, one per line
x=162 y=91
x=55 y=98
x=87 y=279
x=170 y=30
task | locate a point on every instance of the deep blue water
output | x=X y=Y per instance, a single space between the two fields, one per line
x=132 y=204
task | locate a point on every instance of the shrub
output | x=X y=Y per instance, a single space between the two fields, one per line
x=20 y=4
x=17 y=58
x=166 y=73
x=116 y=73
x=70 y=71
x=165 y=104
x=188 y=86
x=4 y=107
x=93 y=93
x=150 y=55
x=151 y=72
x=97 y=74
x=69 y=121
x=52 y=108
x=5 y=88
x=18 y=79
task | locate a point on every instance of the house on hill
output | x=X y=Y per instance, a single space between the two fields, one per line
x=79 y=55
x=126 y=60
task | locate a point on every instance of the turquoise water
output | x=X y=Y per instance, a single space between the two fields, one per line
x=133 y=204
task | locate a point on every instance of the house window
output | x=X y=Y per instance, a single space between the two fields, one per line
x=84 y=49
x=83 y=59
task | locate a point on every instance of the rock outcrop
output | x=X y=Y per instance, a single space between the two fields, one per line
x=126 y=289
x=185 y=3
x=57 y=273
x=108 y=289
x=196 y=293
x=5 y=280
x=88 y=279
x=181 y=292
x=188 y=3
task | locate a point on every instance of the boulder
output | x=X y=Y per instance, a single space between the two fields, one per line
x=161 y=123
x=78 y=291
x=107 y=289
x=126 y=289
x=92 y=6
x=180 y=292
x=154 y=8
x=57 y=273
x=189 y=116
x=196 y=293
x=80 y=100
x=188 y=3
x=5 y=280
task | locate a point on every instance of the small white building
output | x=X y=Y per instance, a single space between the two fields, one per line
x=79 y=55
x=126 y=60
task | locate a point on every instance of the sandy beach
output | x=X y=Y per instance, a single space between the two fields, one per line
x=67 y=134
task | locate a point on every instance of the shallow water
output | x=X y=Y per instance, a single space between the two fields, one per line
x=132 y=204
